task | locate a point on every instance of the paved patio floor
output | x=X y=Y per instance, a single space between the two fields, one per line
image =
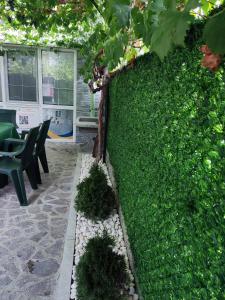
x=32 y=237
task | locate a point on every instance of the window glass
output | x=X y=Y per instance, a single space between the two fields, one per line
x=22 y=75
x=61 y=126
x=57 y=77
x=0 y=87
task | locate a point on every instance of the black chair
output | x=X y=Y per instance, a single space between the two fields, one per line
x=40 y=152
x=13 y=167
x=8 y=115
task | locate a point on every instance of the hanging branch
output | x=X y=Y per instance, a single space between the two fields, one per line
x=100 y=75
x=11 y=5
x=97 y=7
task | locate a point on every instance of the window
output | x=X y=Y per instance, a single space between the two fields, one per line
x=22 y=75
x=0 y=88
x=1 y=78
x=61 y=126
x=57 y=77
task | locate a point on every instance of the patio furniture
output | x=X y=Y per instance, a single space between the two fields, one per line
x=40 y=150
x=8 y=115
x=14 y=167
x=7 y=130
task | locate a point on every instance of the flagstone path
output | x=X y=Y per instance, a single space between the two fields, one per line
x=32 y=237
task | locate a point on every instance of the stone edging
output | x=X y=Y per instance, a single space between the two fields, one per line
x=63 y=284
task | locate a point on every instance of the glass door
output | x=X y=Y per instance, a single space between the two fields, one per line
x=58 y=93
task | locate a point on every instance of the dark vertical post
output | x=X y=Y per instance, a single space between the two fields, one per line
x=106 y=120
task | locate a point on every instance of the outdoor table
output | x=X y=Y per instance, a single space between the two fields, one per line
x=7 y=130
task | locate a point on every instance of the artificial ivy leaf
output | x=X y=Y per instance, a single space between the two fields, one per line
x=214 y=33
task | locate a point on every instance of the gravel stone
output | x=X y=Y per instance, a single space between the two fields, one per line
x=86 y=229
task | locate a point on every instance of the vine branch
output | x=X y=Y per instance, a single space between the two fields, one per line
x=96 y=6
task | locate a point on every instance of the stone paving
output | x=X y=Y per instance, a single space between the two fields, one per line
x=32 y=237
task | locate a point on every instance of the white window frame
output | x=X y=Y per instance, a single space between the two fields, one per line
x=56 y=107
x=2 y=79
x=39 y=105
x=15 y=102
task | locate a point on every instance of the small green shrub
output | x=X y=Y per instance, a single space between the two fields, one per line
x=101 y=273
x=95 y=198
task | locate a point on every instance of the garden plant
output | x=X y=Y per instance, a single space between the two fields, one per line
x=95 y=198
x=101 y=273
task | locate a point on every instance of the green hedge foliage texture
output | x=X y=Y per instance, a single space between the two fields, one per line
x=166 y=142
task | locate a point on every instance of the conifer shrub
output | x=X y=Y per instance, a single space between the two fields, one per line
x=101 y=273
x=95 y=197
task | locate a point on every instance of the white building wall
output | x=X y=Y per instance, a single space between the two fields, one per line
x=83 y=101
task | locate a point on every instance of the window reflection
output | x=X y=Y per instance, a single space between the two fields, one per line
x=22 y=75
x=57 y=77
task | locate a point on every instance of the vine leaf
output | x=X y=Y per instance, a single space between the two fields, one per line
x=191 y=4
x=207 y=6
x=117 y=14
x=170 y=31
x=170 y=4
x=114 y=49
x=214 y=33
x=138 y=22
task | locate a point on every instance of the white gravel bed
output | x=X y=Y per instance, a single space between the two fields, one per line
x=86 y=229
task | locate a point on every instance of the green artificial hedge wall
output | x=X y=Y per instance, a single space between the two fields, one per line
x=166 y=142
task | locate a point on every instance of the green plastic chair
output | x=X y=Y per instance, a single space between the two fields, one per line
x=8 y=115
x=13 y=167
x=40 y=152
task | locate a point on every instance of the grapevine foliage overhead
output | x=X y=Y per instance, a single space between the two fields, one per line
x=123 y=28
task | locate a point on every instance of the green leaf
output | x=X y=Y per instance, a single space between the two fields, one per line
x=114 y=49
x=151 y=19
x=214 y=33
x=170 y=4
x=117 y=14
x=157 y=6
x=207 y=5
x=191 y=4
x=214 y=154
x=138 y=22
x=218 y=128
x=161 y=42
x=171 y=31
